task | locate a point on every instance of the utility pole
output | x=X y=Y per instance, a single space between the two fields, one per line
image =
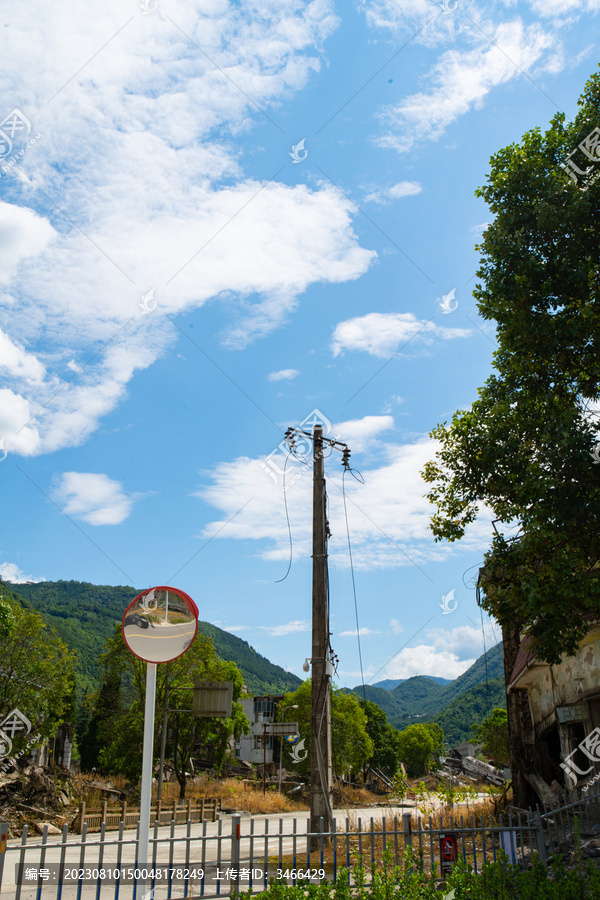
x=320 y=727
x=320 y=744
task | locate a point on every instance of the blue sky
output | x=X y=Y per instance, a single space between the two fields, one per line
x=178 y=285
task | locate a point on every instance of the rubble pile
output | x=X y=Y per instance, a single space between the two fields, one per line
x=35 y=796
x=457 y=763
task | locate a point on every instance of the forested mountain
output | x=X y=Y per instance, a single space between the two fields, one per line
x=85 y=615
x=470 y=708
x=455 y=705
x=390 y=683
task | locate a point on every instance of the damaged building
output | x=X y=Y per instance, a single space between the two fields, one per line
x=558 y=710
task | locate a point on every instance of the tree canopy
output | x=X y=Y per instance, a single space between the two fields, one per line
x=351 y=745
x=420 y=747
x=36 y=671
x=384 y=737
x=493 y=733
x=115 y=732
x=527 y=447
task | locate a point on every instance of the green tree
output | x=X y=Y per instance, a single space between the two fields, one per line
x=493 y=733
x=351 y=744
x=419 y=748
x=437 y=735
x=7 y=619
x=525 y=446
x=108 y=708
x=384 y=737
x=36 y=673
x=117 y=722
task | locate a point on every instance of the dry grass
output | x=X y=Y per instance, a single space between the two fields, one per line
x=241 y=795
x=354 y=795
x=234 y=793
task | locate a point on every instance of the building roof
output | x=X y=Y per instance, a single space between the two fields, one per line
x=524 y=659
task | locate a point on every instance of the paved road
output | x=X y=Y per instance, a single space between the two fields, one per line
x=208 y=847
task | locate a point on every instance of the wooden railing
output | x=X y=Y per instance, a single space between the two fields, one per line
x=111 y=817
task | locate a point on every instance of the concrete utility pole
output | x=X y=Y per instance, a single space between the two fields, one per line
x=320 y=745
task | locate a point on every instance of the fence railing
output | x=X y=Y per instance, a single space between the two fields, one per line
x=208 y=860
x=558 y=821
x=111 y=817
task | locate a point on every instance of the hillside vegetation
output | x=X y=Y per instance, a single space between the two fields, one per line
x=454 y=705
x=84 y=616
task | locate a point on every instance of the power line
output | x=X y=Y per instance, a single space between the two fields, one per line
x=287 y=516
x=362 y=677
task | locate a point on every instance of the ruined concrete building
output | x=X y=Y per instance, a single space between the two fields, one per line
x=558 y=711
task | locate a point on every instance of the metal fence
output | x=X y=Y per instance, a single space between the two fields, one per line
x=558 y=821
x=208 y=860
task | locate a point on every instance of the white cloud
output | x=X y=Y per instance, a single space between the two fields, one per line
x=283 y=375
x=17 y=429
x=93 y=498
x=360 y=434
x=383 y=334
x=397 y=628
x=462 y=640
x=12 y=573
x=23 y=234
x=363 y=632
x=235 y=627
x=405 y=15
x=462 y=79
x=17 y=362
x=450 y=653
x=552 y=8
x=290 y=628
x=476 y=231
x=388 y=515
x=425 y=660
x=145 y=165
x=395 y=192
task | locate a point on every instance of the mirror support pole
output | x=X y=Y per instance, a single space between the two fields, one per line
x=146 y=788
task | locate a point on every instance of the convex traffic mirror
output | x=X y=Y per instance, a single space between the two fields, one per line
x=160 y=624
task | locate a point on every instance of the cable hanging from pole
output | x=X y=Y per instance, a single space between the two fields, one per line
x=362 y=675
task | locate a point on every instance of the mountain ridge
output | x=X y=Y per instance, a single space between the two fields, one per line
x=85 y=615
